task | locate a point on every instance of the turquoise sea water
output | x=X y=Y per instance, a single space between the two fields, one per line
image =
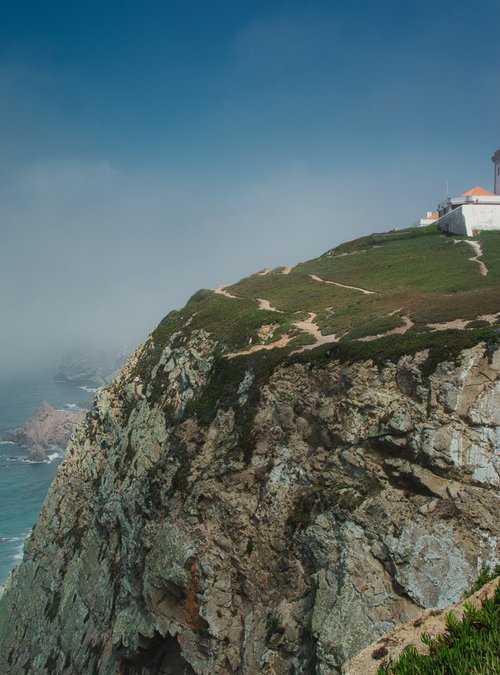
x=23 y=484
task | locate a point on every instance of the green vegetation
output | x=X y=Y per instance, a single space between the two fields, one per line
x=236 y=321
x=467 y=647
x=425 y=274
x=416 y=272
x=375 y=327
x=477 y=323
x=484 y=578
x=442 y=345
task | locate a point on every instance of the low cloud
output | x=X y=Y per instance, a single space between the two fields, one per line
x=93 y=252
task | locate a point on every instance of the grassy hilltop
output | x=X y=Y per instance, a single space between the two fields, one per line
x=413 y=280
x=379 y=297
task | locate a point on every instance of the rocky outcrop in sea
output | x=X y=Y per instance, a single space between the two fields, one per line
x=281 y=531
x=46 y=427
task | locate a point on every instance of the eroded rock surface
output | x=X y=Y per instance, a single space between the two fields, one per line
x=431 y=621
x=282 y=533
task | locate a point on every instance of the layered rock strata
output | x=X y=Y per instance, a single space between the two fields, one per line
x=280 y=532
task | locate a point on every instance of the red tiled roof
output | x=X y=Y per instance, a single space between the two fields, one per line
x=433 y=216
x=478 y=192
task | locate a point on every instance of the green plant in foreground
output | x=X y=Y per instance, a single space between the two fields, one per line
x=467 y=647
x=485 y=576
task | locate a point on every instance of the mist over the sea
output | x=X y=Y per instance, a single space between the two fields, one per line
x=94 y=254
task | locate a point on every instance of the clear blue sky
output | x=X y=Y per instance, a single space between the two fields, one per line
x=152 y=148
x=199 y=86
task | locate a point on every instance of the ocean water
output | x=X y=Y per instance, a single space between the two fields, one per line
x=24 y=484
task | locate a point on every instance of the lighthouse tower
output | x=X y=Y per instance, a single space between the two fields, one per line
x=496 y=180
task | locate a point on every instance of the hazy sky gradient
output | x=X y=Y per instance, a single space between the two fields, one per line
x=150 y=149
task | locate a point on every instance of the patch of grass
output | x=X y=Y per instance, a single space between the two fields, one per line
x=294 y=292
x=417 y=264
x=468 y=646
x=235 y=322
x=490 y=244
x=477 y=324
x=375 y=327
x=379 y=239
x=416 y=271
x=442 y=345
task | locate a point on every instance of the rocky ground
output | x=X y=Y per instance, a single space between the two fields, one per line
x=431 y=621
x=45 y=428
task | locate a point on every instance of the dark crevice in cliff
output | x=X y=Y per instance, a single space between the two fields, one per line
x=159 y=655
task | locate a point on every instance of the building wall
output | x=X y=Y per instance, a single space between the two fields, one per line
x=469 y=217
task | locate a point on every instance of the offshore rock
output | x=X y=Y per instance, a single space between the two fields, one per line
x=45 y=428
x=281 y=533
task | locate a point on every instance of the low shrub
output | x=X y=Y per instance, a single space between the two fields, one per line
x=467 y=647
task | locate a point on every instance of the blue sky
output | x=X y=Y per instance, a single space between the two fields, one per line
x=152 y=148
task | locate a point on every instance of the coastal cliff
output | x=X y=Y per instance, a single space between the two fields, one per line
x=247 y=497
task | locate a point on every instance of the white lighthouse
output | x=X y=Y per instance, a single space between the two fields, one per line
x=496 y=180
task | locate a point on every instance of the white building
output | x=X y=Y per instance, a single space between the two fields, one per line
x=475 y=210
x=428 y=220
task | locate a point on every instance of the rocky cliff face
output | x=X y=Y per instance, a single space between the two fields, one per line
x=280 y=529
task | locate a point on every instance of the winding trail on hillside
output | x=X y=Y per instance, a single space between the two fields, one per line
x=456 y=324
x=282 y=342
x=265 y=304
x=311 y=327
x=479 y=252
x=308 y=326
x=483 y=270
x=336 y=283
x=460 y=324
x=221 y=290
x=400 y=330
